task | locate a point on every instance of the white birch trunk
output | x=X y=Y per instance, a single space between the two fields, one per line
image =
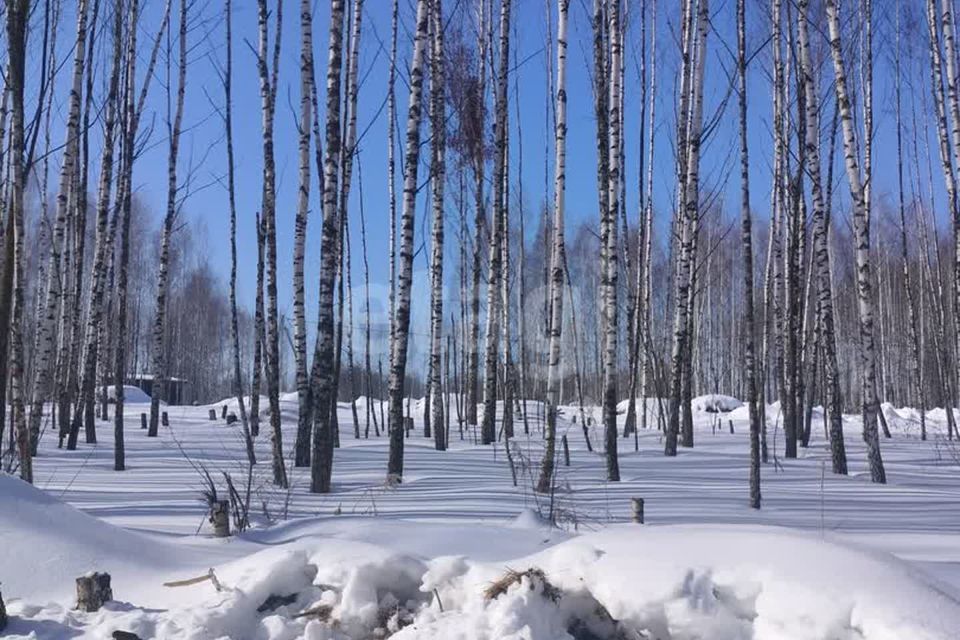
x=554 y=374
x=47 y=321
x=302 y=455
x=861 y=225
x=437 y=179
x=321 y=460
x=821 y=247
x=609 y=226
x=401 y=320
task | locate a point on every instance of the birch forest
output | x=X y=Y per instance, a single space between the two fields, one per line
x=632 y=206
x=480 y=319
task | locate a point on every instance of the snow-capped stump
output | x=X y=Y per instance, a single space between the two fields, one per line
x=93 y=590
x=213 y=414
x=220 y=518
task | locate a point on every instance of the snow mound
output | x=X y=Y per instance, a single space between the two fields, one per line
x=45 y=544
x=670 y=582
x=727 y=583
x=940 y=415
x=715 y=403
x=904 y=420
x=131 y=394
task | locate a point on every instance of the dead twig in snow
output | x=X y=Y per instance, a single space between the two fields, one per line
x=210 y=575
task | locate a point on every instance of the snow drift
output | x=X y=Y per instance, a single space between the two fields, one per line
x=131 y=394
x=47 y=544
x=715 y=403
x=672 y=582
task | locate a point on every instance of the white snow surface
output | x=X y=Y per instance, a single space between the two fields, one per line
x=826 y=558
x=715 y=403
x=131 y=394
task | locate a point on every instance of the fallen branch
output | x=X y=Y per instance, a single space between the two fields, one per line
x=210 y=575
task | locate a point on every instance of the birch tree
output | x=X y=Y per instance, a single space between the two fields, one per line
x=861 y=225
x=401 y=320
x=302 y=448
x=746 y=239
x=324 y=387
x=391 y=161
x=133 y=109
x=479 y=159
x=268 y=92
x=47 y=322
x=258 y=335
x=646 y=266
x=231 y=197
x=953 y=98
x=502 y=209
x=608 y=237
x=821 y=245
x=119 y=451
x=11 y=300
x=174 y=127
x=913 y=326
x=557 y=277
x=947 y=137
x=96 y=304
x=437 y=179
x=688 y=159
x=495 y=263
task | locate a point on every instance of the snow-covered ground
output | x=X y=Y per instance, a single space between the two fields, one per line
x=831 y=558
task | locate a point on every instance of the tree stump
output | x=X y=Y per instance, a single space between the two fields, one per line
x=223 y=412
x=143 y=421
x=566 y=450
x=213 y=414
x=731 y=425
x=164 y=419
x=231 y=418
x=220 y=518
x=93 y=590
x=408 y=425
x=637 y=507
x=3 y=614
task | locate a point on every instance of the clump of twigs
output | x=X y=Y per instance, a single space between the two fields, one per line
x=535 y=577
